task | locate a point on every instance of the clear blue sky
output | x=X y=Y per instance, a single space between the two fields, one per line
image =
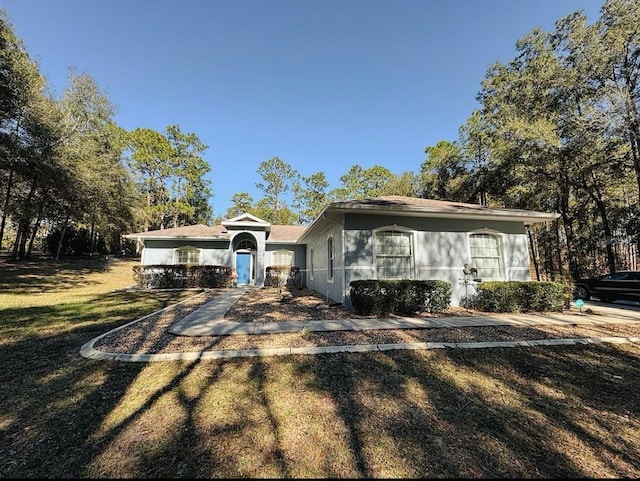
x=323 y=85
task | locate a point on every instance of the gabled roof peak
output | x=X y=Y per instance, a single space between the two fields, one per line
x=246 y=218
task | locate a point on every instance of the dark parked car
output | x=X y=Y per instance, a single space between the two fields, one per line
x=617 y=285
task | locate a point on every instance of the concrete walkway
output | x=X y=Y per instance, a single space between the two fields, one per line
x=209 y=321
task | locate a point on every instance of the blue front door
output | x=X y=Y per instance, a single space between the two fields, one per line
x=243 y=267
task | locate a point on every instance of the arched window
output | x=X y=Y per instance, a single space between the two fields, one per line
x=282 y=257
x=393 y=250
x=186 y=255
x=485 y=255
x=330 y=258
x=246 y=244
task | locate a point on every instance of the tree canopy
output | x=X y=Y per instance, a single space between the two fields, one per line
x=558 y=129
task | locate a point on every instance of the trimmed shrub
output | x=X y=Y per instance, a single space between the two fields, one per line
x=367 y=297
x=402 y=296
x=521 y=296
x=280 y=275
x=181 y=276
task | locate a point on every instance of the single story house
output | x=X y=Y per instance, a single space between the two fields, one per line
x=390 y=237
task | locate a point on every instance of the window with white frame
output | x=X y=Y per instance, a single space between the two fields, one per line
x=393 y=252
x=282 y=257
x=187 y=255
x=330 y=258
x=311 y=262
x=485 y=255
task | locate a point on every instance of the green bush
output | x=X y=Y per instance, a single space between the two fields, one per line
x=367 y=298
x=181 y=276
x=521 y=296
x=403 y=296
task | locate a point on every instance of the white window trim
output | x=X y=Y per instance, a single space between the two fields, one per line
x=501 y=245
x=187 y=248
x=311 y=261
x=395 y=228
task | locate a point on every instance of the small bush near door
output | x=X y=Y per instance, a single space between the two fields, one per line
x=278 y=276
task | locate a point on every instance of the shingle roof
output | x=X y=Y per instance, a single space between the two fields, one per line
x=278 y=233
x=285 y=233
x=187 y=232
x=401 y=203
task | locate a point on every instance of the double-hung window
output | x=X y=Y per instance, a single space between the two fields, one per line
x=486 y=255
x=394 y=254
x=282 y=257
x=330 y=258
x=187 y=255
x=311 y=263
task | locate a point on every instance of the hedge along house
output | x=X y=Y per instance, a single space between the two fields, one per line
x=391 y=237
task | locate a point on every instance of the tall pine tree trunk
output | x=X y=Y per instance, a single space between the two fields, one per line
x=23 y=225
x=64 y=230
x=596 y=196
x=36 y=227
x=91 y=236
x=5 y=207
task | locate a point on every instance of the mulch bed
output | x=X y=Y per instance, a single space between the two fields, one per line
x=151 y=336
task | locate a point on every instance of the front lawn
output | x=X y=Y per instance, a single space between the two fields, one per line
x=521 y=412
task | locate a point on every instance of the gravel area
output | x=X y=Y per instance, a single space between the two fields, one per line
x=151 y=336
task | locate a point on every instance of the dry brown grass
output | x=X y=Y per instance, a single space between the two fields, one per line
x=561 y=412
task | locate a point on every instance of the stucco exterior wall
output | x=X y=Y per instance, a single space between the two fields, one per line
x=440 y=247
x=334 y=289
x=162 y=252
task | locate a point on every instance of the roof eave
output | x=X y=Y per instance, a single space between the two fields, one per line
x=311 y=226
x=530 y=217
x=291 y=241
x=173 y=237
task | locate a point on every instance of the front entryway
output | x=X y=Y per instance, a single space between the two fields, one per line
x=243 y=267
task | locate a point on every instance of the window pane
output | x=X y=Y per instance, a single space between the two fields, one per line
x=393 y=255
x=485 y=255
x=282 y=257
x=330 y=258
x=188 y=256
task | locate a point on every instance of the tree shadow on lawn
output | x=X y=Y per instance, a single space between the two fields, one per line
x=486 y=412
x=31 y=276
x=108 y=310
x=55 y=401
x=516 y=412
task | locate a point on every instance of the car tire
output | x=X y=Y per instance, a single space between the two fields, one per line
x=581 y=292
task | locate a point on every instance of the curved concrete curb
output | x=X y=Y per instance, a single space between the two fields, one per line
x=89 y=352
x=88 y=346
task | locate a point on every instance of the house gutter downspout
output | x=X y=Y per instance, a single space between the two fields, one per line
x=533 y=252
x=344 y=259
